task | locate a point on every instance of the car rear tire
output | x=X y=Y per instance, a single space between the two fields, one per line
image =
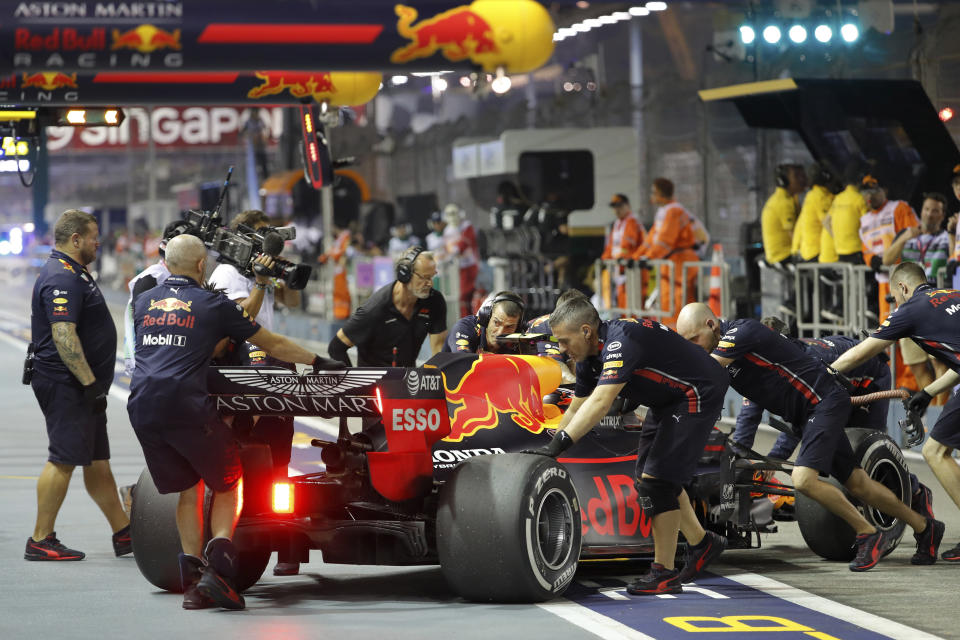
x=831 y=537
x=508 y=528
x=153 y=532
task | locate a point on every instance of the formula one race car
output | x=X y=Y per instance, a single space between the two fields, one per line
x=434 y=477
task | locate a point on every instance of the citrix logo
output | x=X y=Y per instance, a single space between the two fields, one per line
x=166 y=340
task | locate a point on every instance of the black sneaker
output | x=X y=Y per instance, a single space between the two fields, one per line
x=50 y=549
x=951 y=555
x=122 y=544
x=870 y=548
x=286 y=569
x=928 y=542
x=922 y=502
x=700 y=556
x=217 y=580
x=656 y=581
x=191 y=570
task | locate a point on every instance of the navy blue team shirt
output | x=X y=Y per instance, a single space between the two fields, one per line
x=65 y=292
x=829 y=348
x=467 y=336
x=660 y=367
x=932 y=318
x=177 y=325
x=546 y=348
x=773 y=370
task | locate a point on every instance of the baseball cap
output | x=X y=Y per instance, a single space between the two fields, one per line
x=619 y=198
x=869 y=182
x=436 y=216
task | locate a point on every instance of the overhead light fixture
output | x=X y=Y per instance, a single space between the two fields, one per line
x=566 y=32
x=593 y=23
x=398 y=80
x=771 y=34
x=606 y=19
x=579 y=27
x=849 y=32
x=797 y=34
x=823 y=33
x=946 y=114
x=501 y=84
x=620 y=15
x=638 y=11
x=656 y=6
x=747 y=34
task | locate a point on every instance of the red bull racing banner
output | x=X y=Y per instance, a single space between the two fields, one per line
x=210 y=35
x=260 y=88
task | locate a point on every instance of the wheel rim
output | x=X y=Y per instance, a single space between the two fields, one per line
x=554 y=529
x=886 y=473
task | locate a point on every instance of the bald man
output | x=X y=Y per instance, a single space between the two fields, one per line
x=779 y=375
x=178 y=326
x=929 y=317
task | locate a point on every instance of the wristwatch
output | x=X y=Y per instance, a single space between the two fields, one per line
x=259 y=285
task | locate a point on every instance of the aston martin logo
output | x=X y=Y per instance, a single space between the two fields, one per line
x=325 y=384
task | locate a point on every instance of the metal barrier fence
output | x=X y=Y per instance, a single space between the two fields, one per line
x=621 y=287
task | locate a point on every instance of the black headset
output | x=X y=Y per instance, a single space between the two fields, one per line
x=820 y=174
x=404 y=266
x=783 y=175
x=486 y=310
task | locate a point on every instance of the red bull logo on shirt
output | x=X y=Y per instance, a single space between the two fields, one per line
x=170 y=304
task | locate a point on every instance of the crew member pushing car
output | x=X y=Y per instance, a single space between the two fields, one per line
x=185 y=443
x=389 y=328
x=648 y=363
x=928 y=316
x=499 y=315
x=776 y=373
x=76 y=344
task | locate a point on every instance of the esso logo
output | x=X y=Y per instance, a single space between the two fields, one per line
x=416 y=419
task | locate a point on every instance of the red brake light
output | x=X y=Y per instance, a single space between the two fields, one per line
x=379 y=401
x=282 y=497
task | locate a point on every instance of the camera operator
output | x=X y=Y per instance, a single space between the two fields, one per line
x=256 y=294
x=76 y=342
x=178 y=325
x=390 y=327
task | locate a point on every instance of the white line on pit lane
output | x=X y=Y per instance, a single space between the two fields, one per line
x=862 y=619
x=589 y=620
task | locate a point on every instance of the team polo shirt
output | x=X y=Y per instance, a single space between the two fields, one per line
x=659 y=367
x=65 y=292
x=773 y=370
x=828 y=348
x=777 y=220
x=467 y=336
x=932 y=318
x=377 y=328
x=177 y=326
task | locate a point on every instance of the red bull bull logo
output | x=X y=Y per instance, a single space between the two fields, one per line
x=458 y=33
x=170 y=304
x=300 y=84
x=48 y=81
x=501 y=385
x=146 y=39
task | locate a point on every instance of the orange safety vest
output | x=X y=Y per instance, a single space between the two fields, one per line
x=624 y=238
x=673 y=236
x=879 y=228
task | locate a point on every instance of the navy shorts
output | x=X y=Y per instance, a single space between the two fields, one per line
x=946 y=431
x=179 y=457
x=823 y=442
x=672 y=441
x=76 y=435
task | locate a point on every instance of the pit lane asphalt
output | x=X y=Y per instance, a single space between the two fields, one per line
x=106 y=597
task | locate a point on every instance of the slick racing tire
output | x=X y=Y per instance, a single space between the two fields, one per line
x=828 y=535
x=508 y=528
x=153 y=532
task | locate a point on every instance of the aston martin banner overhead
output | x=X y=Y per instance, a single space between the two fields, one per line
x=88 y=37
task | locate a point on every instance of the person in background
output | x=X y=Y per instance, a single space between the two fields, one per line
x=673 y=237
x=952 y=276
x=840 y=238
x=339 y=254
x=461 y=241
x=401 y=240
x=435 y=242
x=624 y=238
x=816 y=204
x=779 y=215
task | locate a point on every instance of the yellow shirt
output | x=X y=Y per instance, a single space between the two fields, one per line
x=777 y=220
x=806 y=237
x=845 y=214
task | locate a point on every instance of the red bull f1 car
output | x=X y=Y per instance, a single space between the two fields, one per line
x=435 y=477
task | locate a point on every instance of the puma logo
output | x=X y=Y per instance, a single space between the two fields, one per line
x=677 y=418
